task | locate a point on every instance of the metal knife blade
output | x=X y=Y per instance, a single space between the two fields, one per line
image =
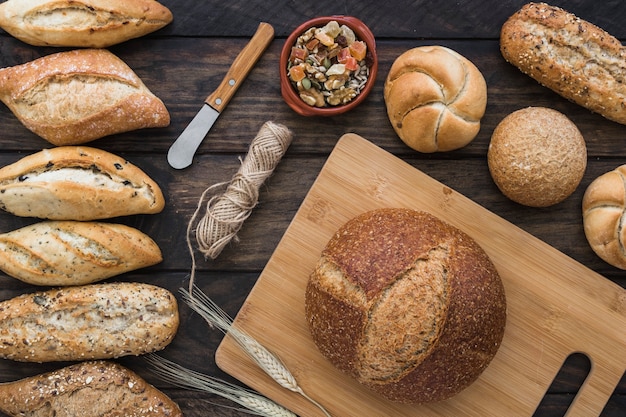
x=180 y=154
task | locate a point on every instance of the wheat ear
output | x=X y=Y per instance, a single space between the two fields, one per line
x=266 y=360
x=186 y=378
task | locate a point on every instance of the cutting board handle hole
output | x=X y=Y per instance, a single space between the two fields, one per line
x=568 y=380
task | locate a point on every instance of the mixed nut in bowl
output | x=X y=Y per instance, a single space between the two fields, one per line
x=328 y=66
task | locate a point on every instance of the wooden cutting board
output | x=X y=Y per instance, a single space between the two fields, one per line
x=556 y=306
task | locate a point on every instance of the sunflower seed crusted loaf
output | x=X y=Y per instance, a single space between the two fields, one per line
x=105 y=388
x=60 y=253
x=96 y=321
x=406 y=304
x=74 y=97
x=81 y=23
x=77 y=183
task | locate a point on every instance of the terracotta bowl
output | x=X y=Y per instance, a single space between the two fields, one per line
x=288 y=91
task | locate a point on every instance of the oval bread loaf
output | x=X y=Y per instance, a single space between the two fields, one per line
x=408 y=305
x=604 y=206
x=105 y=388
x=81 y=23
x=74 y=97
x=435 y=99
x=77 y=183
x=568 y=55
x=96 y=321
x=60 y=253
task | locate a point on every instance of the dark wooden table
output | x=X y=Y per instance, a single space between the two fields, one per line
x=185 y=61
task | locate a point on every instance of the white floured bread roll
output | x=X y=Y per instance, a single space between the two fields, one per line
x=435 y=99
x=60 y=253
x=81 y=23
x=96 y=321
x=77 y=183
x=105 y=388
x=604 y=206
x=73 y=97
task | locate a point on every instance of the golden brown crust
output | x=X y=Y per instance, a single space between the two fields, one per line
x=409 y=276
x=73 y=97
x=435 y=98
x=569 y=55
x=61 y=253
x=96 y=321
x=77 y=183
x=82 y=23
x=603 y=206
x=105 y=388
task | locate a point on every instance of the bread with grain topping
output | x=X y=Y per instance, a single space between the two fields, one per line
x=82 y=23
x=435 y=99
x=603 y=208
x=73 y=97
x=568 y=55
x=406 y=304
x=106 y=388
x=77 y=183
x=61 y=253
x=95 y=321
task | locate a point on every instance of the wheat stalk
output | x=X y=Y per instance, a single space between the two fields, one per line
x=266 y=360
x=186 y=378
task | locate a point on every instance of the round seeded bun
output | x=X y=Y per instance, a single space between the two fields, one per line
x=604 y=205
x=537 y=156
x=406 y=304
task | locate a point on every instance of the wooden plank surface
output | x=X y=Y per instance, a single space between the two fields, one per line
x=185 y=61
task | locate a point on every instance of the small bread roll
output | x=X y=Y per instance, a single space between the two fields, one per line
x=604 y=205
x=77 y=183
x=406 y=304
x=60 y=253
x=102 y=387
x=81 y=23
x=537 y=156
x=435 y=99
x=74 y=97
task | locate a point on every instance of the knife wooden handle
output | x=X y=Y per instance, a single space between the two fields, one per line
x=240 y=68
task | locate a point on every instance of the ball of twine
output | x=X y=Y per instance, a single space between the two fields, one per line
x=229 y=204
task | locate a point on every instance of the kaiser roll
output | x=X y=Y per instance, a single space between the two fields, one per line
x=537 y=156
x=406 y=304
x=604 y=203
x=435 y=99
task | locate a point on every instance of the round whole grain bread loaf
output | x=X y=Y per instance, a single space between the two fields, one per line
x=435 y=99
x=406 y=304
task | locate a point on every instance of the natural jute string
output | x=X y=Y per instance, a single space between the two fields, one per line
x=226 y=211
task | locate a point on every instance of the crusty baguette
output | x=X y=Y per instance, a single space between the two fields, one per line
x=82 y=23
x=105 y=388
x=77 y=183
x=96 y=321
x=571 y=56
x=61 y=253
x=74 y=97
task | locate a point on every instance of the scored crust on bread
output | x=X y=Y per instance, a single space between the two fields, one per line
x=77 y=183
x=406 y=304
x=82 y=23
x=105 y=388
x=73 y=97
x=60 y=253
x=568 y=55
x=95 y=321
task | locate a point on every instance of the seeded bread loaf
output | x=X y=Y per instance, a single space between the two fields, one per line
x=77 y=183
x=73 y=97
x=81 y=23
x=106 y=388
x=61 y=253
x=569 y=55
x=406 y=304
x=96 y=321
